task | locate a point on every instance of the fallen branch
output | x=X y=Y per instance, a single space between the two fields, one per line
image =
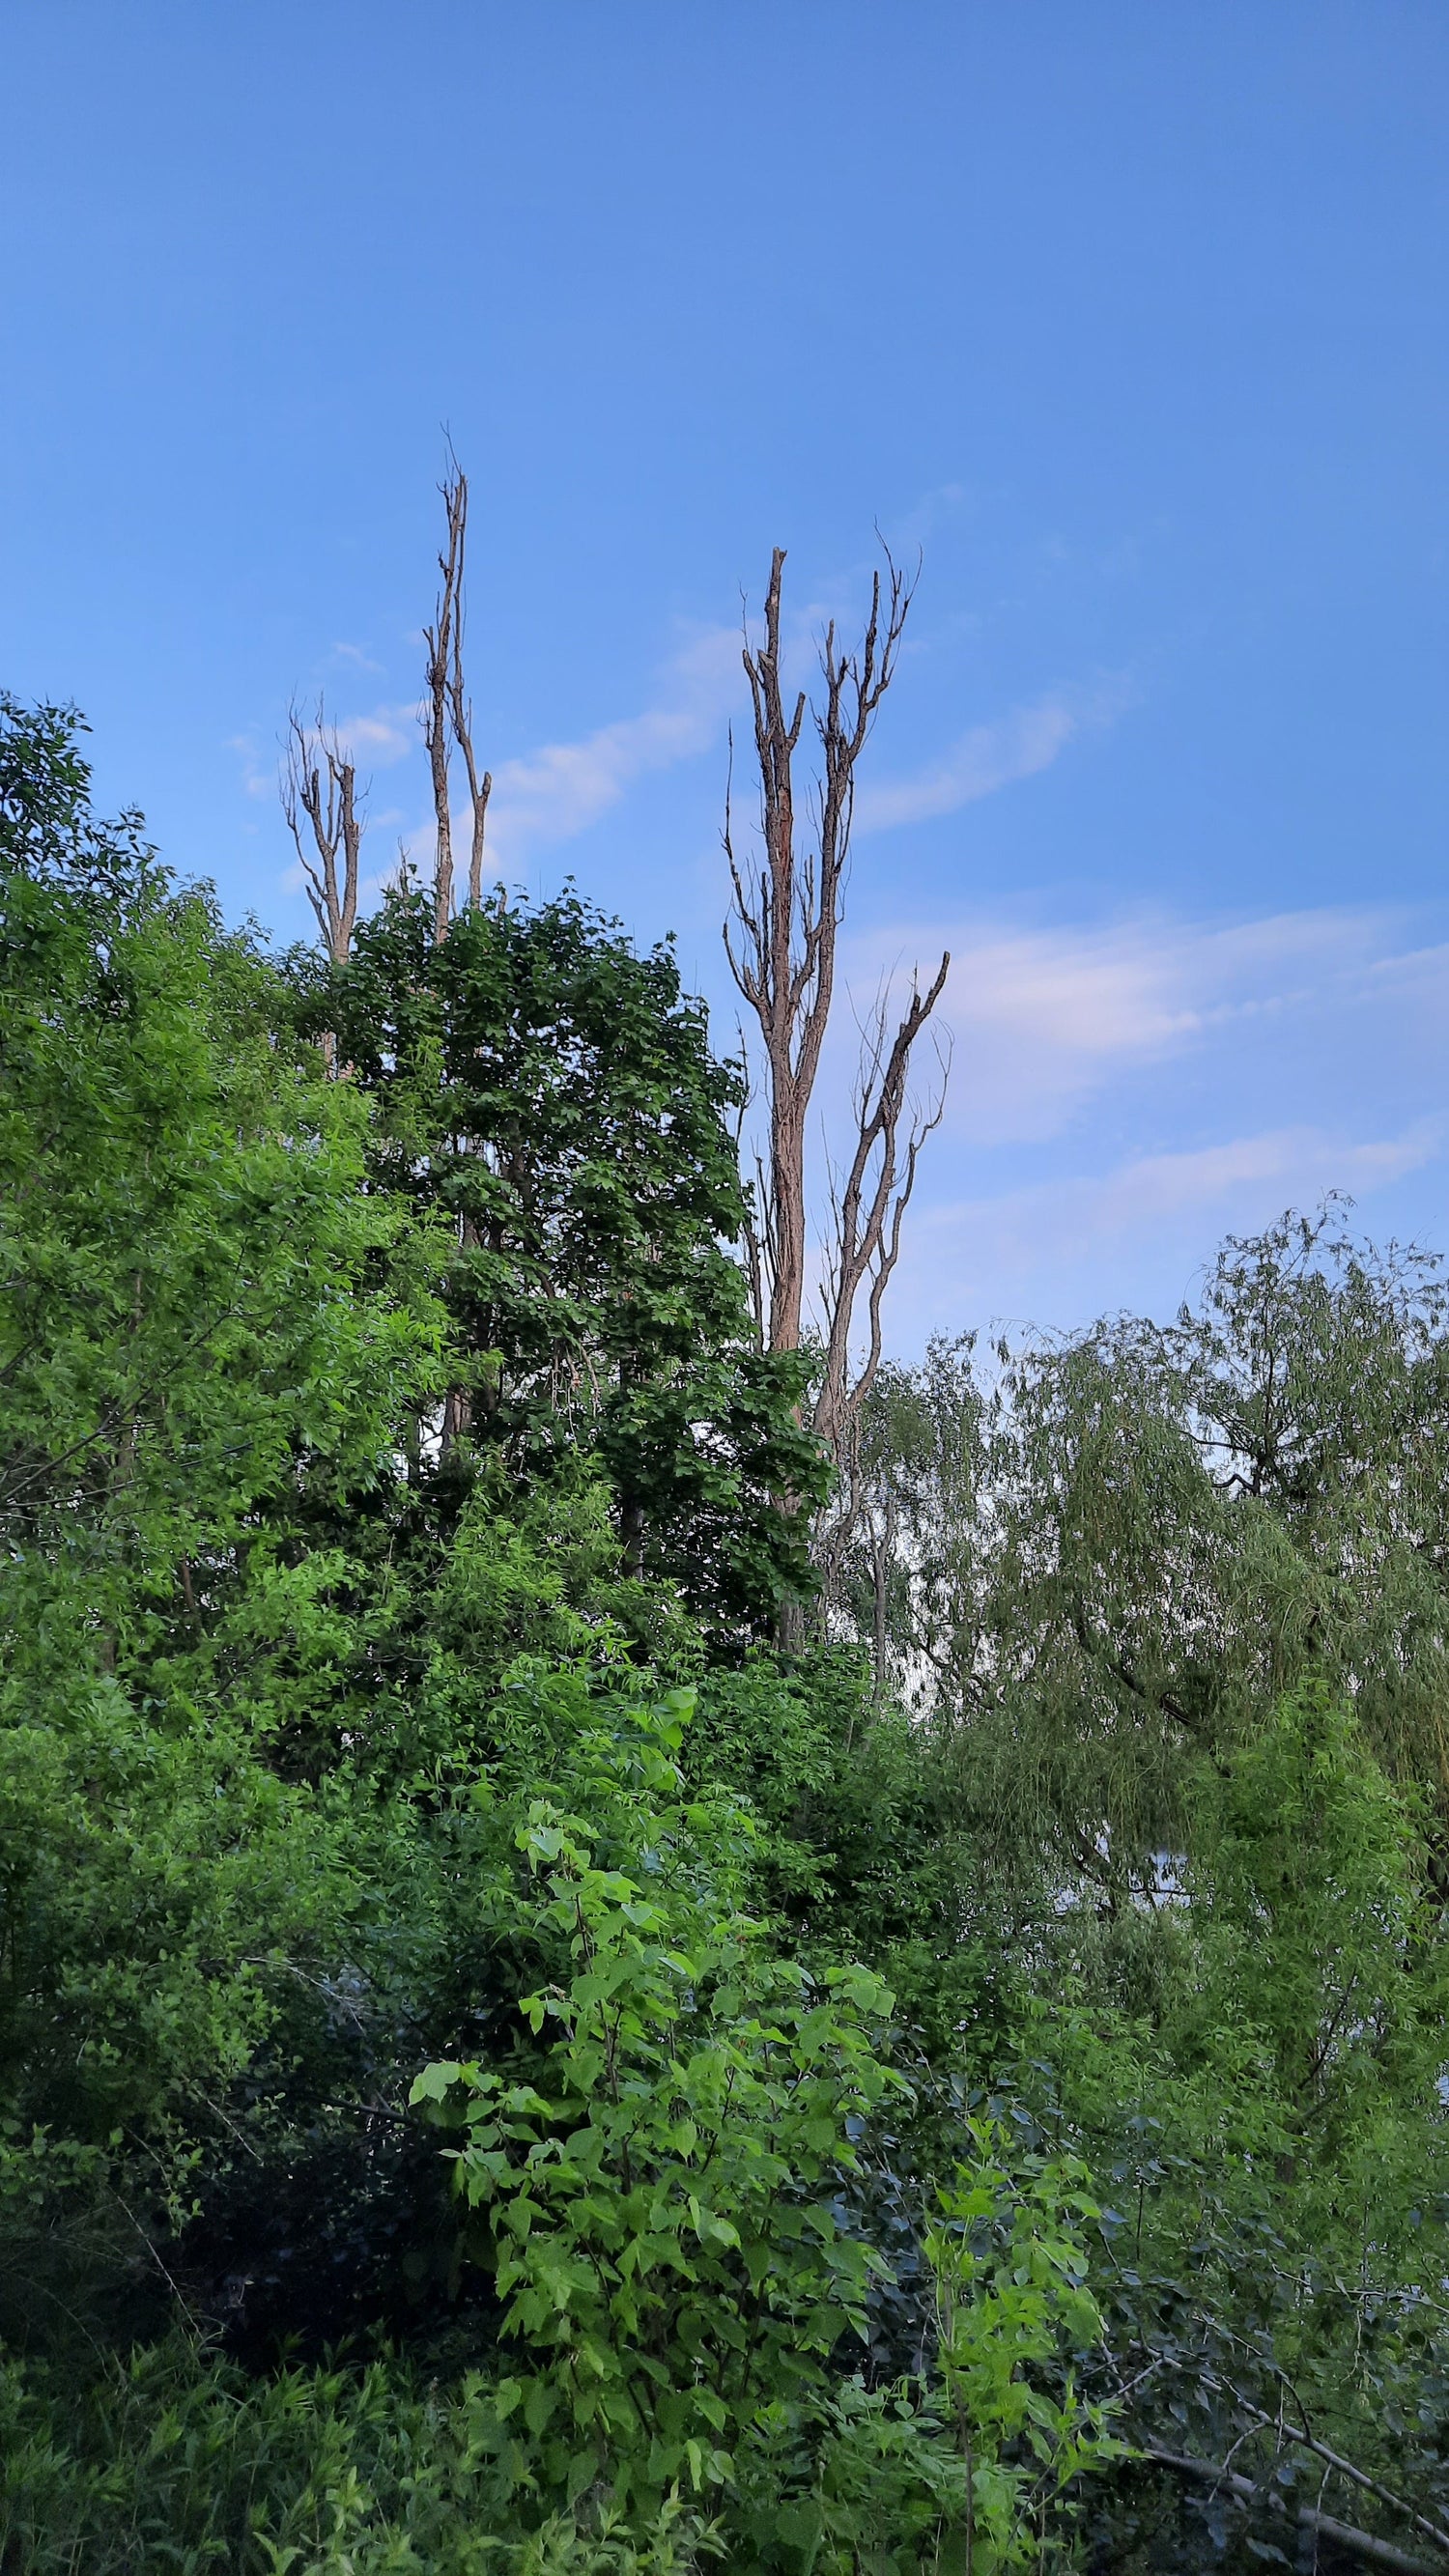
x=1306 y=2441
x=1362 y=2544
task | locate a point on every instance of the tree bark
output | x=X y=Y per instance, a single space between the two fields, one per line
x=319 y=786
x=448 y=712
x=781 y=939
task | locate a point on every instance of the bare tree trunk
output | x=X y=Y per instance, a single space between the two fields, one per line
x=880 y=1569
x=781 y=941
x=460 y=705
x=437 y=728
x=319 y=791
x=448 y=723
x=448 y=711
x=319 y=787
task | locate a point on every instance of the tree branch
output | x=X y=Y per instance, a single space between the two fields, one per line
x=319 y=787
x=1362 y=2544
x=781 y=937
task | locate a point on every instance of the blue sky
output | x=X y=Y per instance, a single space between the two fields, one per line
x=1132 y=316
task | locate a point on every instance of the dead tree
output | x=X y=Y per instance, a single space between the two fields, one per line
x=448 y=725
x=781 y=940
x=448 y=711
x=323 y=811
x=868 y=1209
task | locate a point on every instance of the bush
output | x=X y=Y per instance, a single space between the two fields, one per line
x=174 y=2460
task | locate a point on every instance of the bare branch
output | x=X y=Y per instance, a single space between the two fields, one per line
x=448 y=710
x=781 y=936
x=440 y=639
x=1364 y=2545
x=319 y=792
x=871 y=1208
x=461 y=705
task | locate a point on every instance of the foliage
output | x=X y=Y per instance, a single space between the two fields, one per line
x=658 y=2178
x=1318 y=1947
x=184 y=1324
x=1104 y=1557
x=175 y=2458
x=1269 y=2132
x=846 y=1811
x=656 y=2185
x=550 y=1095
x=158 y=1887
x=1008 y=2306
x=855 y=2093
x=190 y=1349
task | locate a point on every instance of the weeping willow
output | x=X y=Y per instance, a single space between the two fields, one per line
x=1092 y=1565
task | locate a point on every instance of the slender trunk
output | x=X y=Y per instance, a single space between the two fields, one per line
x=781 y=939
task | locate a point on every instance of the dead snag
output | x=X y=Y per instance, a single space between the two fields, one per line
x=781 y=939
x=448 y=711
x=319 y=789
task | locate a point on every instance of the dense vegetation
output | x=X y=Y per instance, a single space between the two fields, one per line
x=501 y=2067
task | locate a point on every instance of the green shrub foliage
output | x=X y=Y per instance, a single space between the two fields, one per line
x=500 y=2068
x=654 y=2179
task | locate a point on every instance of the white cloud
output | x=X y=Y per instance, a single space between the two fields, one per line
x=1081 y=1230
x=1420 y=974
x=1299 y=1160
x=560 y=789
x=380 y=738
x=1091 y=1060
x=550 y=794
x=377 y=739
x=256 y=781
x=992 y=756
x=1042 y=1018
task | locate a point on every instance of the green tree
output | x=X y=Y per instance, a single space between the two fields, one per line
x=548 y=1095
x=186 y=1336
x=1092 y=1561
x=189 y=1352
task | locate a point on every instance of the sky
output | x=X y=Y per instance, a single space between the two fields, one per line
x=1129 y=318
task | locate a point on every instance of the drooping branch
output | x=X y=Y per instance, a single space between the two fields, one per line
x=323 y=812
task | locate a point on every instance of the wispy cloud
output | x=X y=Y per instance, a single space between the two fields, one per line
x=1074 y=1235
x=381 y=737
x=550 y=794
x=258 y=779
x=1043 y=1018
x=1140 y=1193
x=562 y=788
x=376 y=739
x=993 y=756
x=1122 y=1094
